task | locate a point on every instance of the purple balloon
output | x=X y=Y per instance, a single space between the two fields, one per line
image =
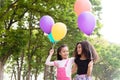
x=86 y=22
x=46 y=23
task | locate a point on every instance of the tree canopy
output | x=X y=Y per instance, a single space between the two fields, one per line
x=24 y=47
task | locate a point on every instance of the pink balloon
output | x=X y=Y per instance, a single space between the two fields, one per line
x=86 y=22
x=81 y=6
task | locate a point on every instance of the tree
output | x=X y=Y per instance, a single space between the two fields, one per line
x=19 y=23
x=108 y=65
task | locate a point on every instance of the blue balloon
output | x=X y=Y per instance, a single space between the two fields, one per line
x=51 y=38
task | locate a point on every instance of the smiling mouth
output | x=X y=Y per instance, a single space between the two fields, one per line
x=79 y=52
x=66 y=55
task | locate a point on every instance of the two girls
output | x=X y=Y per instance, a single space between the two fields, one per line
x=85 y=56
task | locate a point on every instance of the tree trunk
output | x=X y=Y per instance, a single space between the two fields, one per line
x=18 y=70
x=29 y=72
x=19 y=74
x=24 y=76
x=1 y=70
x=48 y=73
x=13 y=75
x=52 y=73
x=3 y=60
x=29 y=50
x=36 y=74
x=15 y=78
x=20 y=65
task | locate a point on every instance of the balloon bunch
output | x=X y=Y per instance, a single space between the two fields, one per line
x=86 y=20
x=55 y=31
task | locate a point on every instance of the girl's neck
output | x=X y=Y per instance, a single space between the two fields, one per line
x=83 y=57
x=64 y=58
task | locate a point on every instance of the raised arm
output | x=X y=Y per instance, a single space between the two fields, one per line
x=48 y=62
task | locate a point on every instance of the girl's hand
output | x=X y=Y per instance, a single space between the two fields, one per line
x=90 y=67
x=51 y=51
x=90 y=64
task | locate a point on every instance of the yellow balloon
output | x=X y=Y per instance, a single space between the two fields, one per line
x=59 y=31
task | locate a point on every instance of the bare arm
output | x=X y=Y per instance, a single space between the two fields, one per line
x=48 y=62
x=90 y=68
x=74 y=68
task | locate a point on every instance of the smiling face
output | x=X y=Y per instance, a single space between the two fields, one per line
x=64 y=53
x=79 y=49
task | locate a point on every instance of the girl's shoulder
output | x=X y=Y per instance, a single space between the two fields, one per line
x=72 y=58
x=69 y=59
x=78 y=60
x=59 y=61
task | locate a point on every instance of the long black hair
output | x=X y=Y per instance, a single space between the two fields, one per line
x=59 y=57
x=87 y=49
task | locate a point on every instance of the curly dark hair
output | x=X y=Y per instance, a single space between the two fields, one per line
x=88 y=50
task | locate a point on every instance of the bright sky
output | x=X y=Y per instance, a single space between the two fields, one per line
x=111 y=20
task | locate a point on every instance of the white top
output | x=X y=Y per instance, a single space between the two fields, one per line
x=61 y=63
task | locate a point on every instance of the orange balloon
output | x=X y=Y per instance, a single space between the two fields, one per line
x=59 y=31
x=81 y=6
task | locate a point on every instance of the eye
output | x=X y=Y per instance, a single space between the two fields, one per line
x=67 y=51
x=64 y=51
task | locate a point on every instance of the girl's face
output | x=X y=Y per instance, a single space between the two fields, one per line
x=64 y=53
x=79 y=49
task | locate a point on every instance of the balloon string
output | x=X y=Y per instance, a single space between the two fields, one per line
x=53 y=45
